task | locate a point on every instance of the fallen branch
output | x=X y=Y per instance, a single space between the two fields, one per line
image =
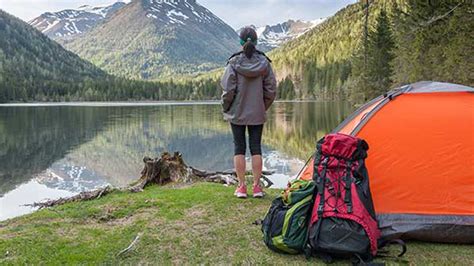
x=163 y=170
x=86 y=195
x=127 y=249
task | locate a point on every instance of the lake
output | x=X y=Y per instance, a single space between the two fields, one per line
x=56 y=150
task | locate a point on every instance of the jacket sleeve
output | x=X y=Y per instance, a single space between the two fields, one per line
x=269 y=88
x=229 y=87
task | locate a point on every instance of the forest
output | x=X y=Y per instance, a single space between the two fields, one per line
x=372 y=46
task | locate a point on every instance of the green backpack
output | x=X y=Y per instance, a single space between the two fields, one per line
x=285 y=226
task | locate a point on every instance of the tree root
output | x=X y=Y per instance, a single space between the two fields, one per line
x=163 y=170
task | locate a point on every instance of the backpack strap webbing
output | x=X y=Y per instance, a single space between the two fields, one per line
x=348 y=180
x=321 y=183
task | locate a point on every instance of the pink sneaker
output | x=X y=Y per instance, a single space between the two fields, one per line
x=258 y=192
x=241 y=192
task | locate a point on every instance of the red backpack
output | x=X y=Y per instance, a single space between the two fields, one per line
x=343 y=221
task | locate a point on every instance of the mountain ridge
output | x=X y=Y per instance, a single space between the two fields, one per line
x=69 y=23
x=166 y=39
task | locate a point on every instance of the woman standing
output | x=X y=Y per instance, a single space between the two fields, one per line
x=249 y=89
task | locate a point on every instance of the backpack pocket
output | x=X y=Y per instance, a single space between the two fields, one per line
x=285 y=227
x=339 y=237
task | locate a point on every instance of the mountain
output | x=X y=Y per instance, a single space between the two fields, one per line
x=273 y=36
x=71 y=22
x=33 y=64
x=151 y=39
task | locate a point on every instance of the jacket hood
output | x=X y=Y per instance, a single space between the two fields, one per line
x=256 y=66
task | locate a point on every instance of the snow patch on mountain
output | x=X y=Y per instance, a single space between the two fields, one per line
x=273 y=36
x=179 y=11
x=71 y=22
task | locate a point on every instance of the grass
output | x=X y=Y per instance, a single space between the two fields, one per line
x=198 y=224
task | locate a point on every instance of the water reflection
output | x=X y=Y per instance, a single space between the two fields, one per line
x=69 y=149
x=295 y=127
x=31 y=139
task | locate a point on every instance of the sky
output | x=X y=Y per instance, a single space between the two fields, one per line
x=236 y=13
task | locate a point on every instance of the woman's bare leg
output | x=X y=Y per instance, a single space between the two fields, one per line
x=257 y=165
x=239 y=164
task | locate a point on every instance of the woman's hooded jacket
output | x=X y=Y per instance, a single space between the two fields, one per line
x=249 y=87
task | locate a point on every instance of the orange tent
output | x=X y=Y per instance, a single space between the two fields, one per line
x=420 y=160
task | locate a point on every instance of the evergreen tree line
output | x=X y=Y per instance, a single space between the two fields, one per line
x=108 y=89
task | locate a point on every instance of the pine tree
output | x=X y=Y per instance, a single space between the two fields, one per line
x=373 y=78
x=380 y=57
x=434 y=41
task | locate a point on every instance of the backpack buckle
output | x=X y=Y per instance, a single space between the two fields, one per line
x=320 y=209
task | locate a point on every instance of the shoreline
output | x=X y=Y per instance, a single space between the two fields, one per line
x=136 y=103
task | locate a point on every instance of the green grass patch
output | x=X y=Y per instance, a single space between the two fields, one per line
x=199 y=224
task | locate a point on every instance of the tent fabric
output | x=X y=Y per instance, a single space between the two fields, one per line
x=420 y=160
x=430 y=86
x=419 y=144
x=434 y=228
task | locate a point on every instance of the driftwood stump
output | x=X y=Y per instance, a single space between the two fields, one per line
x=160 y=171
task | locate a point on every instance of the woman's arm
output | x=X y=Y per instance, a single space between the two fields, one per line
x=229 y=87
x=269 y=87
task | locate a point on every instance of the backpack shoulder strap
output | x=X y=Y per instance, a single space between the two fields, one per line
x=233 y=55
x=401 y=243
x=241 y=52
x=262 y=53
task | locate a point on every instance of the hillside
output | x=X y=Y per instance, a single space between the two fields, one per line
x=318 y=62
x=151 y=39
x=433 y=42
x=67 y=24
x=32 y=66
